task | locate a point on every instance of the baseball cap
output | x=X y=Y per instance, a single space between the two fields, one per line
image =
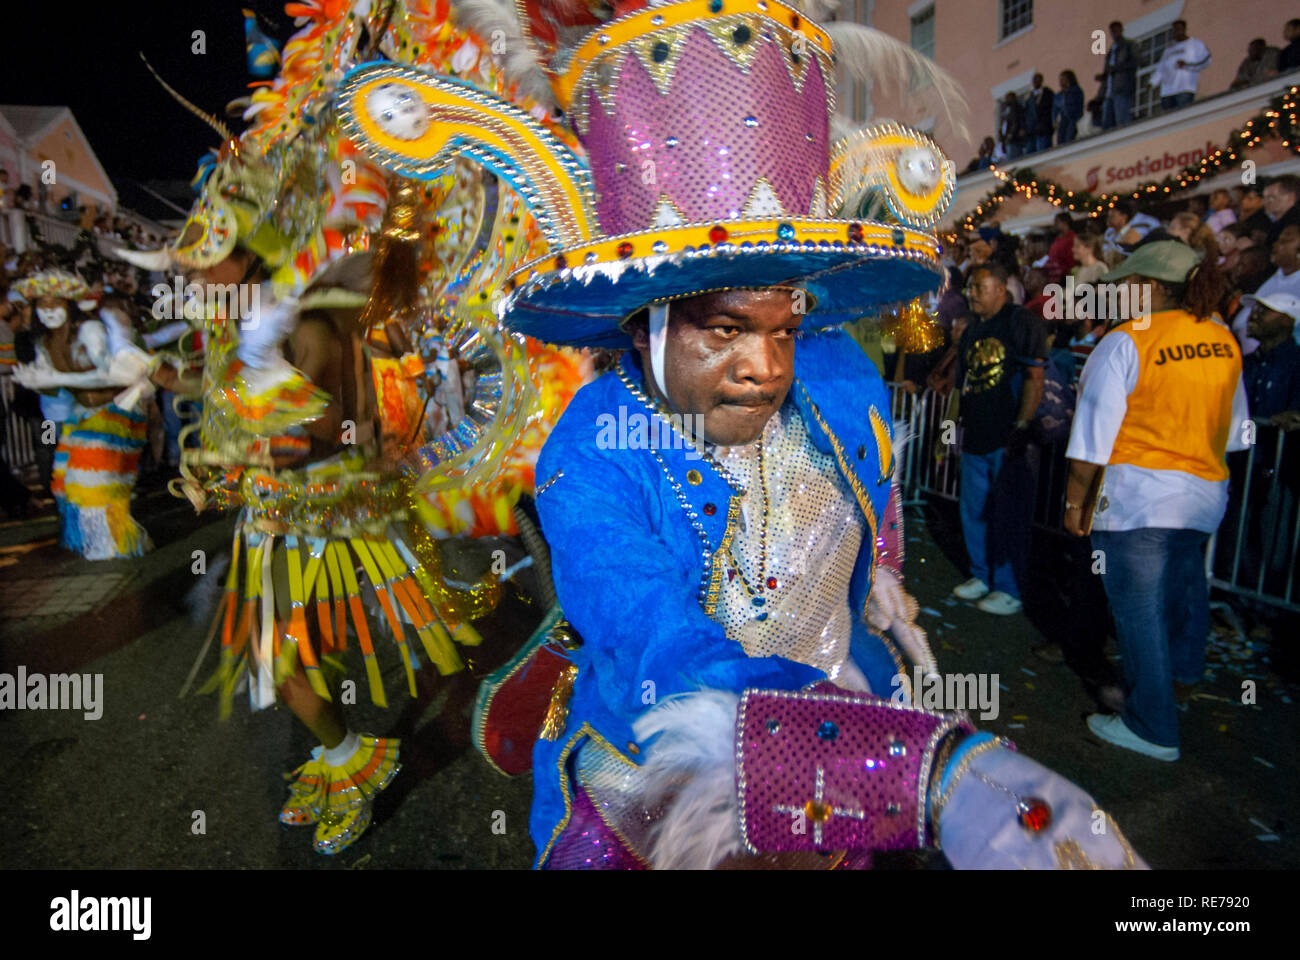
x=1167 y=260
x=1281 y=302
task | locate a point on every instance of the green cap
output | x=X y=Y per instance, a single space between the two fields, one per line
x=1168 y=260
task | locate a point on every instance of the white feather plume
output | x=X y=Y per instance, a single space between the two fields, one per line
x=519 y=61
x=869 y=55
x=692 y=764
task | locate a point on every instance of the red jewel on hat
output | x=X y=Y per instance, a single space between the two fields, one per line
x=561 y=262
x=624 y=250
x=771 y=583
x=718 y=234
x=710 y=509
x=731 y=575
x=794 y=20
x=855 y=232
x=1034 y=814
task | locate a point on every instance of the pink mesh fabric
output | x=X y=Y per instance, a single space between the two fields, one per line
x=718 y=157
x=821 y=770
x=588 y=844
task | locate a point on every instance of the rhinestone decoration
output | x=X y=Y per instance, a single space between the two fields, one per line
x=828 y=731
x=715 y=6
x=814 y=532
x=710 y=509
x=659 y=246
x=718 y=234
x=625 y=250
x=751 y=121
x=659 y=53
x=785 y=231
x=773 y=726
x=1034 y=814
x=741 y=35
x=855 y=233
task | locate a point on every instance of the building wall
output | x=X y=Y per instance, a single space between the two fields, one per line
x=75 y=168
x=966 y=44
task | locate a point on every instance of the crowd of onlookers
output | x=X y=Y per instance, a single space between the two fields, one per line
x=119 y=296
x=1004 y=302
x=1028 y=125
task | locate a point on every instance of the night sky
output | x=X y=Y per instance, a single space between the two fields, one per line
x=87 y=57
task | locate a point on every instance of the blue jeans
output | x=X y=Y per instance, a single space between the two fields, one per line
x=1067 y=130
x=979 y=473
x=1015 y=150
x=1116 y=111
x=1042 y=143
x=1155 y=579
x=1177 y=101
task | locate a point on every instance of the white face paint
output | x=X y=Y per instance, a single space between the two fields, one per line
x=918 y=170
x=52 y=317
x=398 y=111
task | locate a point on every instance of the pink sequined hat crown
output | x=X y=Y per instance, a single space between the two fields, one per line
x=706 y=162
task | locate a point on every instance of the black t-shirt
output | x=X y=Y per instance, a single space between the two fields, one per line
x=991 y=358
x=1289 y=58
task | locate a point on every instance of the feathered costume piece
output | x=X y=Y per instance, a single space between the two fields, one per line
x=462 y=408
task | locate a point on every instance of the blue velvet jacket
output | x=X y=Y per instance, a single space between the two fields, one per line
x=634 y=534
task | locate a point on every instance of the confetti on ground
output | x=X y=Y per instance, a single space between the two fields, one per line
x=931 y=612
x=1028 y=671
x=1263 y=826
x=949 y=602
x=953 y=626
x=1267 y=837
x=1020 y=716
x=1029 y=686
x=1015 y=726
x=1264 y=762
x=1003 y=686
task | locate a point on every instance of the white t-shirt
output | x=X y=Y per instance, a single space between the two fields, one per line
x=1134 y=497
x=1169 y=79
x=1278 y=283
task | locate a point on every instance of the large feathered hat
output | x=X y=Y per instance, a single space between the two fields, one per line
x=707 y=162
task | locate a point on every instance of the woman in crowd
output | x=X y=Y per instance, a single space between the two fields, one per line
x=1089 y=265
x=99 y=448
x=1160 y=403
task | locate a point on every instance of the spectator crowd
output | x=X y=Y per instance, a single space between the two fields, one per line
x=1027 y=125
x=1048 y=399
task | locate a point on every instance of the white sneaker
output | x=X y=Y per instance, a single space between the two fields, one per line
x=1114 y=730
x=972 y=589
x=1003 y=604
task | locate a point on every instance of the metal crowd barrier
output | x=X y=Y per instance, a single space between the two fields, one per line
x=20 y=436
x=1253 y=555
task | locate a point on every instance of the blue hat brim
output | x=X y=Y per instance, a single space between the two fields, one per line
x=585 y=306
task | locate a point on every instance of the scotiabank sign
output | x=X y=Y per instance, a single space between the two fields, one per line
x=1150 y=167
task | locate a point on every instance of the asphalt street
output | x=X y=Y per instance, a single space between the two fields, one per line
x=133 y=787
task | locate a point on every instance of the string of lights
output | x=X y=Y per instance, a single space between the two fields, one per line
x=1277 y=121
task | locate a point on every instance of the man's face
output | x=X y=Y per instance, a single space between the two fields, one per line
x=1116 y=219
x=1250 y=203
x=1116 y=31
x=1219 y=200
x=1256 y=50
x=1038 y=80
x=1286 y=249
x=1268 y=324
x=1289 y=32
x=729 y=357
x=1276 y=200
x=986 y=293
x=1179 y=31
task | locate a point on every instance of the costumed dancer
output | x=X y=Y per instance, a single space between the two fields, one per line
x=98 y=454
x=719 y=694
x=320 y=422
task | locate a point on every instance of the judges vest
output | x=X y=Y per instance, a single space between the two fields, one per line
x=1180 y=412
